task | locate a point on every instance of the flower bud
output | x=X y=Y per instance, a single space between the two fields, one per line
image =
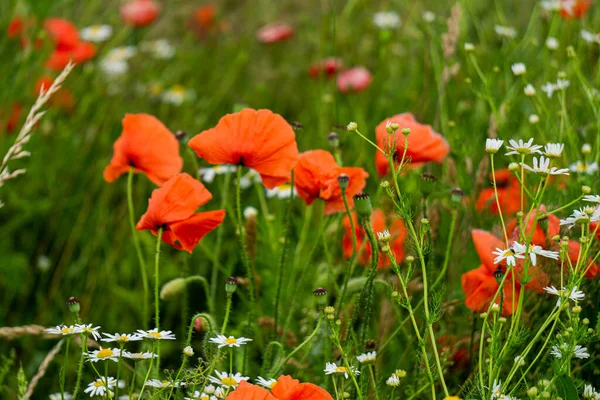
x=384 y=184
x=576 y=309
x=469 y=47
x=343 y=181
x=532 y=391
x=456 y=195
x=428 y=182
x=171 y=289
x=329 y=310
x=513 y=166
x=586 y=148
x=352 y=126
x=498 y=274
x=188 y=351
x=320 y=295
x=495 y=308
x=405 y=131
x=362 y=204
x=585 y=321
x=73 y=304
x=586 y=189
x=410 y=259
x=231 y=285
x=334 y=140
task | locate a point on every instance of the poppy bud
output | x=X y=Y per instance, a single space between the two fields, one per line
x=427 y=183
x=362 y=204
x=181 y=135
x=586 y=189
x=457 y=195
x=73 y=304
x=172 y=288
x=231 y=285
x=320 y=297
x=498 y=274
x=334 y=140
x=343 y=181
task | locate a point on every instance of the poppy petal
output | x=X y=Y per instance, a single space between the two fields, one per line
x=284 y=385
x=485 y=244
x=247 y=391
x=189 y=231
x=307 y=391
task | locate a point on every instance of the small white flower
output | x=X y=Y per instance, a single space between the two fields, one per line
x=573 y=294
x=282 y=191
x=177 y=95
x=562 y=84
x=582 y=216
x=121 y=337
x=99 y=386
x=551 y=5
x=123 y=53
x=96 y=33
x=160 y=49
x=63 y=330
x=267 y=383
x=208 y=174
x=496 y=390
x=250 y=178
x=139 y=356
x=227 y=380
x=210 y=389
x=493 y=145
x=332 y=368
x=154 y=334
x=57 y=396
x=367 y=358
x=104 y=354
x=518 y=69
x=352 y=126
x=521 y=147
x=384 y=236
x=250 y=212
x=520 y=361
x=469 y=47
x=549 y=88
x=534 y=119
x=224 y=341
x=552 y=43
x=590 y=37
x=428 y=16
x=592 y=198
x=529 y=90
x=393 y=381
x=556 y=352
x=163 y=384
x=114 y=68
x=554 y=150
x=580 y=352
x=386 y=20
x=509 y=255
x=590 y=393
x=584 y=167
x=543 y=167
x=505 y=31
x=535 y=251
x=586 y=148
x=90 y=330
x=188 y=351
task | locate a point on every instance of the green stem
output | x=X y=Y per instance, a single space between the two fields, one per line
x=81 y=362
x=352 y=256
x=119 y=369
x=149 y=370
x=498 y=199
x=227 y=309
x=63 y=371
x=245 y=258
x=217 y=250
x=136 y=244
x=156 y=291
x=374 y=382
x=301 y=345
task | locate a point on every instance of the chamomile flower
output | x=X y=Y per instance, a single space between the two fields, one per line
x=139 y=356
x=549 y=88
x=249 y=179
x=518 y=69
x=208 y=174
x=534 y=119
x=96 y=33
x=197 y=395
x=154 y=334
x=578 y=351
x=496 y=390
x=160 y=49
x=493 y=145
x=384 y=236
x=505 y=31
x=63 y=330
x=157 y=383
x=529 y=90
x=535 y=251
x=90 y=330
x=586 y=148
x=177 y=95
x=250 y=212
x=592 y=198
x=386 y=20
x=367 y=358
x=590 y=37
x=554 y=150
x=552 y=43
x=582 y=216
x=572 y=294
x=562 y=84
x=267 y=383
x=509 y=255
x=393 y=381
x=520 y=361
x=584 y=167
x=100 y=386
x=227 y=380
x=282 y=191
x=332 y=368
x=114 y=68
x=522 y=147
x=57 y=396
x=428 y=16
x=121 y=337
x=224 y=341
x=590 y=393
x=104 y=354
x=551 y=5
x=543 y=167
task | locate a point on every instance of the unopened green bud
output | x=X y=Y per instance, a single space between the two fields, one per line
x=334 y=140
x=343 y=181
x=428 y=182
x=457 y=195
x=586 y=189
x=171 y=289
x=231 y=285
x=362 y=205
x=384 y=184
x=532 y=391
x=405 y=131
x=73 y=304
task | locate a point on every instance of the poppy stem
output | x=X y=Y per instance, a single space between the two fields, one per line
x=240 y=228
x=156 y=298
x=138 y=249
x=83 y=346
x=352 y=256
x=63 y=370
x=366 y=296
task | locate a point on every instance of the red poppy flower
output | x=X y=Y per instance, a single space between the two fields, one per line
x=205 y=15
x=315 y=177
x=480 y=285
x=14 y=117
x=139 y=12
x=16 y=27
x=67 y=44
x=424 y=144
x=574 y=8
x=378 y=222
x=146 y=145
x=64 y=34
x=62 y=99
x=327 y=67
x=354 y=79
x=260 y=140
x=540 y=235
x=592 y=268
x=173 y=207
x=286 y=388
x=509 y=195
x=275 y=32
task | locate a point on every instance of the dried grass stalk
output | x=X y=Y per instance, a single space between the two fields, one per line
x=42 y=369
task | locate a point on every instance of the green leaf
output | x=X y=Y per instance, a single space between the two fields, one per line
x=566 y=388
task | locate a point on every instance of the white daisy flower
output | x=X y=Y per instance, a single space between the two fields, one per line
x=592 y=198
x=521 y=147
x=590 y=393
x=249 y=179
x=96 y=33
x=227 y=380
x=99 y=387
x=534 y=119
x=121 y=337
x=155 y=335
x=163 y=384
x=552 y=43
x=562 y=84
x=509 y=255
x=505 y=31
x=590 y=37
x=104 y=354
x=160 y=49
x=57 y=396
x=139 y=356
x=90 y=330
x=332 y=368
x=208 y=174
x=582 y=216
x=114 y=68
x=518 y=69
x=580 y=352
x=63 y=330
x=529 y=90
x=250 y=212
x=549 y=88
x=551 y=5
x=586 y=148
x=493 y=145
x=573 y=294
x=535 y=251
x=556 y=351
x=428 y=16
x=177 y=95
x=122 y=53
x=224 y=341
x=210 y=389
x=384 y=236
x=496 y=390
x=543 y=167
x=393 y=381
x=554 y=150
x=267 y=383
x=367 y=358
x=386 y=20
x=281 y=191
x=584 y=167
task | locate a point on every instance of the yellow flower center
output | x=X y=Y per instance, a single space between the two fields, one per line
x=204 y=397
x=166 y=383
x=99 y=383
x=231 y=340
x=155 y=335
x=96 y=28
x=65 y=330
x=228 y=381
x=341 y=370
x=105 y=353
x=285 y=186
x=273 y=384
x=178 y=89
x=123 y=338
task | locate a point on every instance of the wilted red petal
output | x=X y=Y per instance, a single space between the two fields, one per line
x=355 y=79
